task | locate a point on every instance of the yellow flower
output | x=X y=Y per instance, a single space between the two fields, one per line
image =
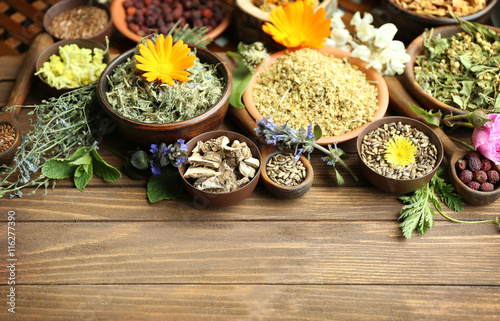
x=164 y=61
x=400 y=151
x=298 y=26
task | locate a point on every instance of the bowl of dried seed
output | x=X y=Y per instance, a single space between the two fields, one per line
x=325 y=87
x=79 y=19
x=223 y=168
x=399 y=154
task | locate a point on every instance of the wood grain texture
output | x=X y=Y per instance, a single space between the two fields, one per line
x=255 y=302
x=187 y=252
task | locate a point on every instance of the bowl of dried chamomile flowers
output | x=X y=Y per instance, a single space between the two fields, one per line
x=163 y=91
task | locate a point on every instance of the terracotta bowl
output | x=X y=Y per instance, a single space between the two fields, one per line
x=415 y=49
x=371 y=75
x=203 y=199
x=66 y=5
x=54 y=50
x=119 y=17
x=412 y=25
x=144 y=133
x=392 y=185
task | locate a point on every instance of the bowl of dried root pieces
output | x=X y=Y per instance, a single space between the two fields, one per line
x=324 y=87
x=165 y=92
x=399 y=154
x=223 y=168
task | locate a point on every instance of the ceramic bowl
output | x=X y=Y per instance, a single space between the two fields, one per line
x=119 y=16
x=371 y=75
x=54 y=50
x=145 y=134
x=203 y=199
x=392 y=185
x=66 y=5
x=414 y=50
x=412 y=25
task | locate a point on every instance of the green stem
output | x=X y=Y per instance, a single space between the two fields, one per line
x=233 y=54
x=496 y=220
x=326 y=151
x=462 y=143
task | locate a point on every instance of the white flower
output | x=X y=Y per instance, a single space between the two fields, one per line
x=376 y=64
x=340 y=36
x=384 y=35
x=357 y=22
x=337 y=22
x=362 y=52
x=366 y=32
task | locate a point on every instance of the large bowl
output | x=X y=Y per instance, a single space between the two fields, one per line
x=412 y=24
x=204 y=199
x=414 y=50
x=144 y=133
x=392 y=185
x=119 y=16
x=66 y=5
x=371 y=74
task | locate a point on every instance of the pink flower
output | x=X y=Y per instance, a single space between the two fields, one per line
x=487 y=139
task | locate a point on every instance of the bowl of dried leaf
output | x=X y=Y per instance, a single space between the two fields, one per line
x=163 y=91
x=223 y=168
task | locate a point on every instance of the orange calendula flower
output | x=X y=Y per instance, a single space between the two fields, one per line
x=164 y=61
x=298 y=26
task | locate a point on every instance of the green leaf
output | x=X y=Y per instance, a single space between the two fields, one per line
x=340 y=179
x=318 y=133
x=446 y=192
x=417 y=214
x=466 y=88
x=241 y=78
x=167 y=186
x=457 y=100
x=78 y=153
x=496 y=107
x=103 y=169
x=58 y=169
x=85 y=159
x=465 y=60
x=83 y=175
x=429 y=116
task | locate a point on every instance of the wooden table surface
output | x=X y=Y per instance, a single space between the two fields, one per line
x=337 y=253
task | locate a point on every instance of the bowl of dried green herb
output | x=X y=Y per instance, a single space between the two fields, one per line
x=453 y=68
x=153 y=112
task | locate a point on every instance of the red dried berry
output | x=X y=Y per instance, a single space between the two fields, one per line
x=461 y=164
x=465 y=176
x=473 y=185
x=474 y=154
x=480 y=176
x=485 y=164
x=474 y=164
x=493 y=176
x=486 y=187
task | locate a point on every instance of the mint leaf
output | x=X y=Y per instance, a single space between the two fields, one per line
x=167 y=186
x=241 y=78
x=84 y=159
x=78 y=153
x=83 y=175
x=58 y=169
x=317 y=132
x=430 y=117
x=103 y=169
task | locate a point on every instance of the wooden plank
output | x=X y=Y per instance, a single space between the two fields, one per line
x=28 y=10
x=254 y=302
x=267 y=252
x=22 y=33
x=9 y=66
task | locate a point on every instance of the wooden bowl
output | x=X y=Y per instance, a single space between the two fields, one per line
x=203 y=199
x=371 y=75
x=144 y=133
x=119 y=17
x=415 y=49
x=54 y=50
x=66 y=5
x=392 y=185
x=412 y=25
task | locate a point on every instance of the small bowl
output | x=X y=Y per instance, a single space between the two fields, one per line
x=392 y=185
x=371 y=75
x=414 y=50
x=54 y=50
x=281 y=191
x=66 y=5
x=119 y=16
x=205 y=199
x=144 y=133
x=412 y=25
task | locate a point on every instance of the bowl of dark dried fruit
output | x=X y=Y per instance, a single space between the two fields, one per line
x=223 y=168
x=79 y=19
x=138 y=18
x=148 y=111
x=399 y=154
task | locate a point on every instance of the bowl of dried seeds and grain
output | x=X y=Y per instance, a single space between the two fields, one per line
x=325 y=87
x=223 y=168
x=399 y=154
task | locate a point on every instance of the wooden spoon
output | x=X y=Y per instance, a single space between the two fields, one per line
x=20 y=91
x=243 y=119
x=399 y=100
